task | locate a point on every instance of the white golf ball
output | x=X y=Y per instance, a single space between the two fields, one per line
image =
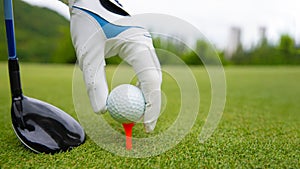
x=126 y=103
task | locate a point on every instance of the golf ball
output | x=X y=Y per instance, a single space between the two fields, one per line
x=126 y=103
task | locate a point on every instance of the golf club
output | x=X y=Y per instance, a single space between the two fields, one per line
x=41 y=127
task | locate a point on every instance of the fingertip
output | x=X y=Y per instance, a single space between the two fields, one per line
x=101 y=111
x=149 y=127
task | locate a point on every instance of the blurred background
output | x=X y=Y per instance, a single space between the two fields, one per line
x=256 y=32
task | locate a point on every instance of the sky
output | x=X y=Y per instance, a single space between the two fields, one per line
x=214 y=18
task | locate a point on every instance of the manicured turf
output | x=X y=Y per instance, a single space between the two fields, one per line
x=259 y=127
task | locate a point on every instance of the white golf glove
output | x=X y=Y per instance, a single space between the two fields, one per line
x=95 y=38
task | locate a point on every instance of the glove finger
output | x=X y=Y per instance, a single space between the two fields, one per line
x=151 y=91
x=96 y=85
x=149 y=127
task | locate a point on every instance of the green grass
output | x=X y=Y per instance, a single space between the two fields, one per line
x=259 y=127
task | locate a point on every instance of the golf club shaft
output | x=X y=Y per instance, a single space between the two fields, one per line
x=13 y=64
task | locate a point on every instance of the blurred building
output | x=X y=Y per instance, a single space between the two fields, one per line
x=234 y=42
x=262 y=35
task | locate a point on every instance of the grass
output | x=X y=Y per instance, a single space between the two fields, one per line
x=259 y=127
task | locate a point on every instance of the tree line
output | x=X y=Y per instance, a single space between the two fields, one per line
x=283 y=52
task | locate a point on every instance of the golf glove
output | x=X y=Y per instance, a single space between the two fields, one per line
x=95 y=38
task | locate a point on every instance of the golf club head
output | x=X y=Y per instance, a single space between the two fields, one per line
x=44 y=128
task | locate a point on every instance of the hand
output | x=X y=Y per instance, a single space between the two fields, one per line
x=134 y=45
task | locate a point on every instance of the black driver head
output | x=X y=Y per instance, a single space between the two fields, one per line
x=44 y=128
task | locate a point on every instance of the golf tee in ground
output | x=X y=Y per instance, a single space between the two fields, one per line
x=128 y=132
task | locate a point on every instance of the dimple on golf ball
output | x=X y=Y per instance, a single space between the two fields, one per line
x=126 y=103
